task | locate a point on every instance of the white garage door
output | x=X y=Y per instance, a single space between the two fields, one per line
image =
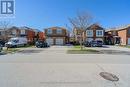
x=89 y=39
x=50 y=41
x=128 y=41
x=99 y=39
x=59 y=41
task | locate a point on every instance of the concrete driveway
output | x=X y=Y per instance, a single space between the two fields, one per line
x=52 y=67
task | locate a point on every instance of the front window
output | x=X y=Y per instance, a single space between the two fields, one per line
x=14 y=32
x=22 y=31
x=49 y=31
x=12 y=40
x=129 y=31
x=99 y=33
x=59 y=31
x=89 y=33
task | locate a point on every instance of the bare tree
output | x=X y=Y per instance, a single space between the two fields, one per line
x=5 y=25
x=82 y=21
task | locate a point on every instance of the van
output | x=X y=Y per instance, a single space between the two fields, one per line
x=16 y=42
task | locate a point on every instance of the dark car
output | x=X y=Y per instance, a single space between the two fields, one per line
x=2 y=43
x=41 y=44
x=1 y=48
x=96 y=43
x=87 y=44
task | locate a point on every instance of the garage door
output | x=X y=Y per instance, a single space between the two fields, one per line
x=50 y=41
x=89 y=39
x=128 y=41
x=59 y=41
x=99 y=39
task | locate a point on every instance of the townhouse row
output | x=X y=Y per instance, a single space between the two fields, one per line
x=31 y=34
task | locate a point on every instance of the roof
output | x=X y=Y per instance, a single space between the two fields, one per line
x=120 y=28
x=95 y=26
x=56 y=28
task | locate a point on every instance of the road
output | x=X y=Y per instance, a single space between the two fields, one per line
x=53 y=67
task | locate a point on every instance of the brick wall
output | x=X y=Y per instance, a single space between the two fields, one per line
x=123 y=35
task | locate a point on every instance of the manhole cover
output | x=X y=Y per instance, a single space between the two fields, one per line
x=109 y=76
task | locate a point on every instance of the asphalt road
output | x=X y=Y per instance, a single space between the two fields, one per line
x=52 y=67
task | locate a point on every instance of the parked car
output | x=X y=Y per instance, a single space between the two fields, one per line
x=41 y=44
x=16 y=42
x=1 y=47
x=2 y=43
x=87 y=44
x=96 y=43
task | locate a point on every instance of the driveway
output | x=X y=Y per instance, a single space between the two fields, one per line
x=113 y=50
x=52 y=67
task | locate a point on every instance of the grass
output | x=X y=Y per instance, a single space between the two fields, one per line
x=10 y=50
x=125 y=46
x=77 y=50
x=27 y=46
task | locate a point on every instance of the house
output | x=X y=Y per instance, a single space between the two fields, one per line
x=111 y=37
x=41 y=36
x=94 y=32
x=124 y=34
x=2 y=34
x=56 y=36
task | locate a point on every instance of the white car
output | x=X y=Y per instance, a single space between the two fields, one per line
x=16 y=42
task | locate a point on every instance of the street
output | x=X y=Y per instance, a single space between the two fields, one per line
x=53 y=67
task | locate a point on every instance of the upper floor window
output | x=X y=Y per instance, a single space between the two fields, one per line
x=14 y=32
x=89 y=33
x=129 y=31
x=22 y=31
x=49 y=31
x=0 y=33
x=59 y=31
x=99 y=33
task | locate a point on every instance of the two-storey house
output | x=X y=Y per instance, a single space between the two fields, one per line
x=94 y=32
x=56 y=36
x=124 y=34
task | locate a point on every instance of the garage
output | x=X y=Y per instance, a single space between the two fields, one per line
x=59 y=41
x=89 y=39
x=50 y=41
x=128 y=41
x=99 y=39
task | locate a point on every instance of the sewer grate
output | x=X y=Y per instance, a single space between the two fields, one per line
x=109 y=76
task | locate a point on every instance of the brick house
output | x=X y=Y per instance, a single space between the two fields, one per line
x=124 y=34
x=2 y=34
x=94 y=32
x=56 y=36
x=41 y=36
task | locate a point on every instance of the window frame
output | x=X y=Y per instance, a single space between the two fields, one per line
x=49 y=31
x=99 y=34
x=88 y=34
x=57 y=31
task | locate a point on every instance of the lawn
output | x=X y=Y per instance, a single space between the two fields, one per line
x=125 y=46
x=77 y=50
x=10 y=50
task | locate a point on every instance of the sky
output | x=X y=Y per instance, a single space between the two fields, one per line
x=42 y=14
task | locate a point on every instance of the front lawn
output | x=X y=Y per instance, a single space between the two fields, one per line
x=11 y=50
x=77 y=50
x=125 y=46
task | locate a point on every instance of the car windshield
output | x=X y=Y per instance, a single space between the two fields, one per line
x=12 y=40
